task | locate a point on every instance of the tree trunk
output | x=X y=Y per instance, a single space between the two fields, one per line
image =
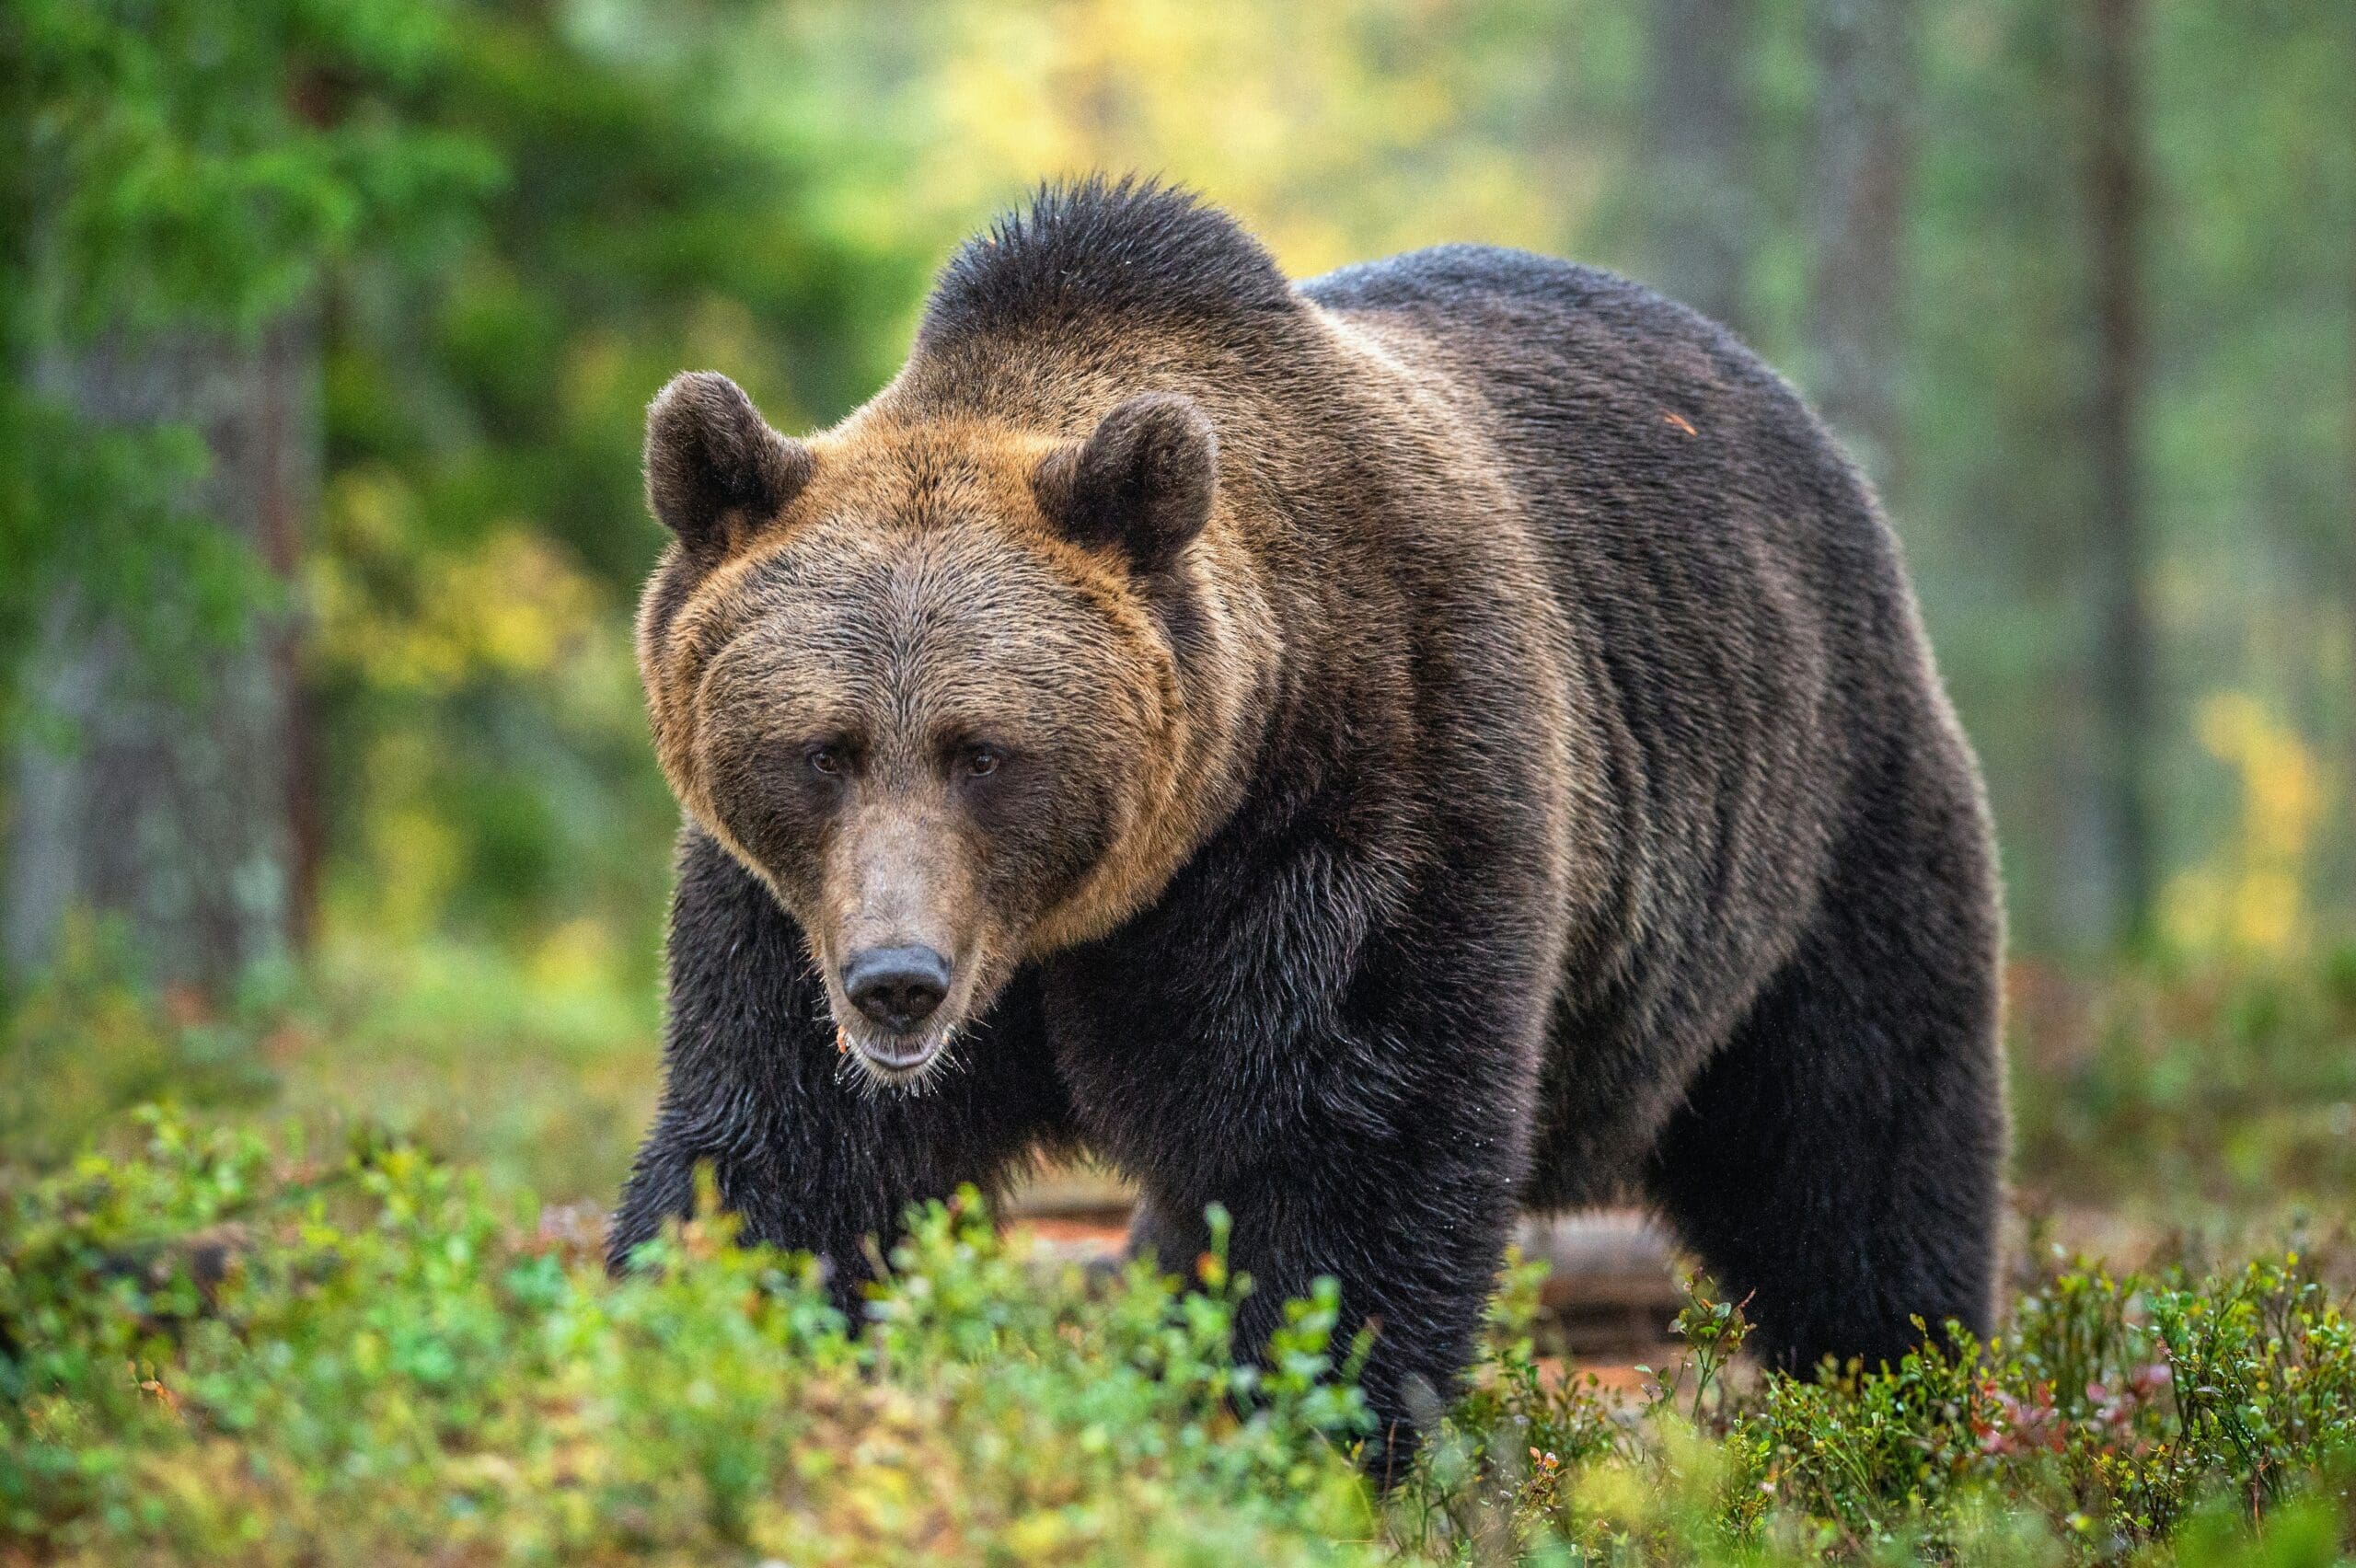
x=1863 y=147
x=1697 y=135
x=2119 y=552
x=185 y=812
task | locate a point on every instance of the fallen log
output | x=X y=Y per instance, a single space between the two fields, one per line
x=1612 y=1274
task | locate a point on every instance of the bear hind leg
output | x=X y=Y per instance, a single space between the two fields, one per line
x=1839 y=1164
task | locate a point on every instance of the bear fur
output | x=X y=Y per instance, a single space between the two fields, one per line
x=1474 y=750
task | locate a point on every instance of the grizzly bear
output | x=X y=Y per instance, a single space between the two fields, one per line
x=1448 y=738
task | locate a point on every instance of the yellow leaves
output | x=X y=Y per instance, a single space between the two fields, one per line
x=1337 y=132
x=2281 y=786
x=414 y=854
x=598 y=373
x=1631 y=1505
x=513 y=607
x=574 y=957
x=2251 y=896
x=531 y=606
x=1040 y=1535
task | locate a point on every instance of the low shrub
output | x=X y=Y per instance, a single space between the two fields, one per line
x=219 y=1348
x=222 y=1351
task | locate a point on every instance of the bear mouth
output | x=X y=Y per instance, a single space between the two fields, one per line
x=908 y=1061
x=898 y=1057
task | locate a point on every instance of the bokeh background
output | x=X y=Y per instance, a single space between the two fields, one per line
x=330 y=328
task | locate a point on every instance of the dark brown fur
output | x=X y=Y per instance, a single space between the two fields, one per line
x=1470 y=746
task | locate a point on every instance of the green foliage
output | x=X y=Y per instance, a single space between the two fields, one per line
x=88 y=1042
x=194 y=159
x=222 y=1348
x=179 y=166
x=2113 y=1407
x=2116 y=1418
x=380 y=1365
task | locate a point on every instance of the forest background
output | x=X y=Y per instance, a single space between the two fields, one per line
x=329 y=328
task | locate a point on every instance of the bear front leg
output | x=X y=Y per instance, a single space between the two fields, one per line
x=1407 y=1200
x=804 y=1151
x=1349 y=1069
x=1414 y=1234
x=1172 y=1236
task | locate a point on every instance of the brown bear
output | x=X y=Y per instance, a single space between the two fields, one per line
x=1446 y=738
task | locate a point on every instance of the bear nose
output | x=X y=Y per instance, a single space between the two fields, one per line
x=897 y=987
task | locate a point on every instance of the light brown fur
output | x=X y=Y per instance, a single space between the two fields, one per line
x=891 y=478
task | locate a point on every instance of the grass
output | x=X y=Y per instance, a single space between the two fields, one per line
x=272 y=1328
x=540 y=1081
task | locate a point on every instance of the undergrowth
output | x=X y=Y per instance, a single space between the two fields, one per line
x=222 y=1348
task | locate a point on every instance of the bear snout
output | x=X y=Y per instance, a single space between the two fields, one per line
x=898 y=987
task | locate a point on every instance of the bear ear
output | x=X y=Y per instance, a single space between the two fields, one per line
x=1142 y=484
x=714 y=468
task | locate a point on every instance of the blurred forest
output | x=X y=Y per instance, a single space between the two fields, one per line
x=329 y=328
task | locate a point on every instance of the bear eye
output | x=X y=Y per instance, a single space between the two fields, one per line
x=827 y=759
x=980 y=762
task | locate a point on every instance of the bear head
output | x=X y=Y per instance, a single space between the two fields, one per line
x=958 y=693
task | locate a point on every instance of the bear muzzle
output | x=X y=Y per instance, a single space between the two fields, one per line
x=901 y=1004
x=898 y=987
